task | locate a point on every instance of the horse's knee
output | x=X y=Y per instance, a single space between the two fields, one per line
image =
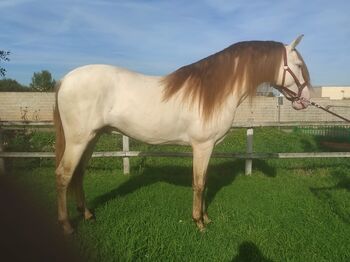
x=198 y=188
x=198 y=192
x=63 y=177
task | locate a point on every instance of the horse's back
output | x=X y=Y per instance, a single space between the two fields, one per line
x=89 y=92
x=97 y=78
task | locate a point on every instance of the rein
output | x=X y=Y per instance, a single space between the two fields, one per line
x=292 y=96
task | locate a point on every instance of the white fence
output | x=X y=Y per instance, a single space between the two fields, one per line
x=126 y=153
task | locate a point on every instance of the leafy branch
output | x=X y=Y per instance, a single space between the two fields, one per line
x=4 y=57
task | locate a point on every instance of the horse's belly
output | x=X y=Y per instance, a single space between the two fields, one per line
x=154 y=133
x=151 y=127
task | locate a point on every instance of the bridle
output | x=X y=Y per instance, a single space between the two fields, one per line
x=292 y=96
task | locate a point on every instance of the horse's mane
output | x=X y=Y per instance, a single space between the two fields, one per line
x=242 y=66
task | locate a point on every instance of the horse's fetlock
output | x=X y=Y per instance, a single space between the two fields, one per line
x=196 y=215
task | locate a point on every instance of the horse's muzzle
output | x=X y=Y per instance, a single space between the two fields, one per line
x=300 y=104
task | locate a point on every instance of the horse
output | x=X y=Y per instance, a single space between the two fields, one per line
x=194 y=105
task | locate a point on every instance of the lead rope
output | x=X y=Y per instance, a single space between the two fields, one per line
x=325 y=109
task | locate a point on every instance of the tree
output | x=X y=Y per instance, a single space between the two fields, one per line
x=11 y=85
x=42 y=81
x=3 y=57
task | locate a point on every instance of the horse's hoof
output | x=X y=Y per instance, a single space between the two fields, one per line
x=200 y=226
x=67 y=228
x=88 y=216
x=68 y=232
x=206 y=219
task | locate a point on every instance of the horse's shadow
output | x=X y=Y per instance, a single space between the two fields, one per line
x=219 y=175
x=248 y=251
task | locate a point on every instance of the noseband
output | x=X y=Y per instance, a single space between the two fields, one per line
x=292 y=96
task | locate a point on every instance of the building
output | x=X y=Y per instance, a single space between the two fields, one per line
x=332 y=92
x=265 y=89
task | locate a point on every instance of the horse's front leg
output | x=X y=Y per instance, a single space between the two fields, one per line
x=201 y=156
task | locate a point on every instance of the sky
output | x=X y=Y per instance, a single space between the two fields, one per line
x=156 y=37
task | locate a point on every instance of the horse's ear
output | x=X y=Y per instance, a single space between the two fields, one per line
x=296 y=42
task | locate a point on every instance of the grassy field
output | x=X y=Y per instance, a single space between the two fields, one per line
x=288 y=210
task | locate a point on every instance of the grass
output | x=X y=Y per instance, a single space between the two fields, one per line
x=288 y=210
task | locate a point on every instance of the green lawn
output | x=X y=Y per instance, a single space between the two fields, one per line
x=288 y=210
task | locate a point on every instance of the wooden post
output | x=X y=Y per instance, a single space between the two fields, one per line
x=126 y=160
x=279 y=104
x=2 y=160
x=249 y=161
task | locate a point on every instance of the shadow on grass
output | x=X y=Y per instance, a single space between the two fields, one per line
x=248 y=251
x=326 y=144
x=310 y=147
x=27 y=230
x=325 y=195
x=219 y=176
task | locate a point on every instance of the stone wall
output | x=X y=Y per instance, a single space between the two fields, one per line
x=268 y=109
x=30 y=106
x=26 y=106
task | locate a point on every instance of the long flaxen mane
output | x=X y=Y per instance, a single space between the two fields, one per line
x=240 y=67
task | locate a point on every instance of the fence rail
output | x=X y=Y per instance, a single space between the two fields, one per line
x=183 y=154
x=247 y=124
x=126 y=153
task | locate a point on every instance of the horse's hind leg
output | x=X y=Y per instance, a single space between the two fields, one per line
x=64 y=173
x=77 y=181
x=77 y=186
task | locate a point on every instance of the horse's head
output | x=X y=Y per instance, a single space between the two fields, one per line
x=294 y=80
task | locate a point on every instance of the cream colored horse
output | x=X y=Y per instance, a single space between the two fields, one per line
x=194 y=105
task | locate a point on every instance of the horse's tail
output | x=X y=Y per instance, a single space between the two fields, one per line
x=60 y=139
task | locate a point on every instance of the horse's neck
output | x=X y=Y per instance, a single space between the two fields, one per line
x=232 y=103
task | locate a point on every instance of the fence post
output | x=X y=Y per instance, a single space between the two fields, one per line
x=126 y=160
x=2 y=160
x=249 y=161
x=279 y=104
